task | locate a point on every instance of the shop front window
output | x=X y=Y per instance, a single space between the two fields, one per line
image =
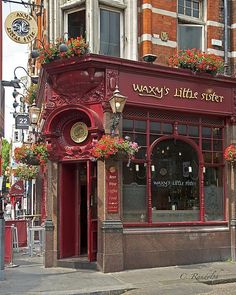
x=134 y=192
x=213 y=194
x=175 y=182
x=177 y=175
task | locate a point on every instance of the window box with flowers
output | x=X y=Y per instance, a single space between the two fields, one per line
x=26 y=172
x=230 y=153
x=62 y=49
x=115 y=148
x=197 y=61
x=35 y=154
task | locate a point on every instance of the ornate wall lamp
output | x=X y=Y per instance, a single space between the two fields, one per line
x=34 y=113
x=33 y=79
x=117 y=103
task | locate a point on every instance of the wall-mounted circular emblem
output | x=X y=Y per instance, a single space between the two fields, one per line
x=21 y=27
x=79 y=132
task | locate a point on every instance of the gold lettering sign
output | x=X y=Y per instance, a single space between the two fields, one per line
x=79 y=132
x=21 y=27
x=182 y=92
x=154 y=91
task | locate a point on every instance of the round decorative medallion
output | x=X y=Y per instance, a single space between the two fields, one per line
x=163 y=171
x=21 y=27
x=79 y=132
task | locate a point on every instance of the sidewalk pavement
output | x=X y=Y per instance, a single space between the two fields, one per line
x=31 y=278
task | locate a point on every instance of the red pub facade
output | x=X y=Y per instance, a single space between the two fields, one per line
x=175 y=203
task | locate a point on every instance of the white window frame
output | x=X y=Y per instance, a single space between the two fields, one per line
x=129 y=17
x=101 y=7
x=201 y=13
x=185 y=20
x=66 y=14
x=193 y=25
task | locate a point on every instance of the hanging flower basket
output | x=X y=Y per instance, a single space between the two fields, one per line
x=62 y=49
x=115 y=148
x=35 y=154
x=26 y=172
x=197 y=61
x=230 y=153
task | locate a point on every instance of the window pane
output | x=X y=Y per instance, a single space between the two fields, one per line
x=217 y=132
x=127 y=124
x=167 y=128
x=175 y=182
x=188 y=3
x=134 y=193
x=213 y=194
x=217 y=145
x=206 y=144
x=109 y=33
x=180 y=9
x=155 y=127
x=196 y=13
x=76 y=24
x=196 y=5
x=182 y=129
x=140 y=126
x=193 y=131
x=190 y=37
x=188 y=11
x=206 y=132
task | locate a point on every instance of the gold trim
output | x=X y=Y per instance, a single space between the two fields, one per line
x=79 y=132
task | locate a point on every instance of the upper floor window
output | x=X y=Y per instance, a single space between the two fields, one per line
x=190 y=8
x=110 y=22
x=76 y=24
x=191 y=25
x=102 y=25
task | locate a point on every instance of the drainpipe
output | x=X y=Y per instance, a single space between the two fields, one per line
x=226 y=41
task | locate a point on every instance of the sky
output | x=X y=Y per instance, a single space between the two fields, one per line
x=14 y=55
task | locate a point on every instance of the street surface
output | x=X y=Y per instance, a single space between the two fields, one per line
x=31 y=278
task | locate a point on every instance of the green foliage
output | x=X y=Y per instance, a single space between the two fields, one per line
x=26 y=172
x=31 y=94
x=6 y=147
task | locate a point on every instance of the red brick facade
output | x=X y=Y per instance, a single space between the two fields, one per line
x=156 y=17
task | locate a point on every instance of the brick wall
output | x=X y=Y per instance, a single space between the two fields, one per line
x=157 y=16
